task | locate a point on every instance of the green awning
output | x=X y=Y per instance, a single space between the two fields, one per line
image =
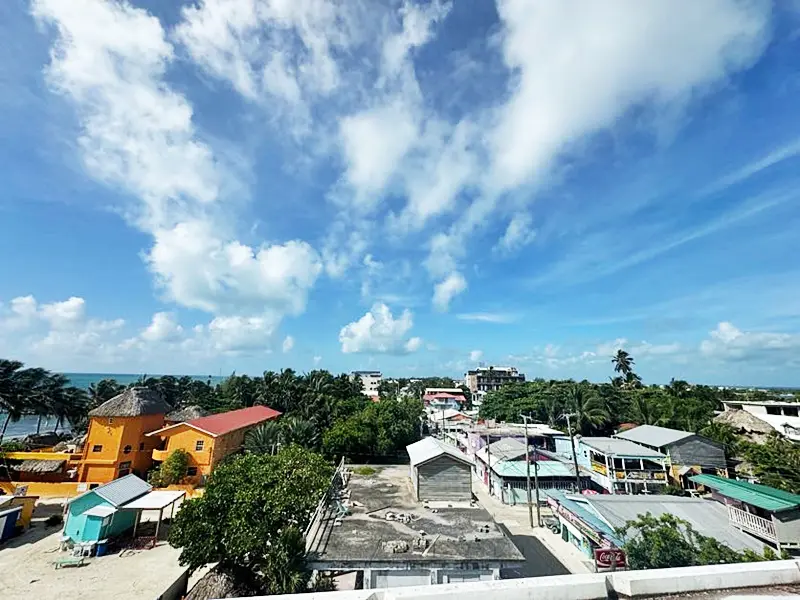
x=762 y=496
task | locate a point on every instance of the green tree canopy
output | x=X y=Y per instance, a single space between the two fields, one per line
x=250 y=516
x=667 y=541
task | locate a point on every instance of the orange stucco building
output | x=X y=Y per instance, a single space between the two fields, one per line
x=117 y=443
x=209 y=439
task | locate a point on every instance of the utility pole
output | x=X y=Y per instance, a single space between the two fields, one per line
x=528 y=477
x=489 y=463
x=574 y=455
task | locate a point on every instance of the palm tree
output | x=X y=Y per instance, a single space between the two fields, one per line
x=586 y=406
x=632 y=381
x=724 y=434
x=644 y=411
x=264 y=439
x=623 y=362
x=284 y=567
x=11 y=396
x=677 y=388
x=299 y=431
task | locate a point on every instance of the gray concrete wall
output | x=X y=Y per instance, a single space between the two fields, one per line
x=595 y=586
x=177 y=589
x=787 y=526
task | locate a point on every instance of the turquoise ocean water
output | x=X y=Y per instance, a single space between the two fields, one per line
x=27 y=425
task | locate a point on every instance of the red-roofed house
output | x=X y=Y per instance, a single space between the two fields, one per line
x=440 y=400
x=210 y=439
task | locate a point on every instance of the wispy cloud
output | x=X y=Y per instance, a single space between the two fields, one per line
x=786 y=152
x=488 y=317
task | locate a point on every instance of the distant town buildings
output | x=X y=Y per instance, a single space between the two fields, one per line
x=442 y=398
x=490 y=379
x=370 y=380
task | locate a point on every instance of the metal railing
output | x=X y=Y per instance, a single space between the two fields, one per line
x=753 y=523
x=315 y=530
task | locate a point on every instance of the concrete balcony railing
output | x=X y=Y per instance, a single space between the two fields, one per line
x=201 y=458
x=161 y=455
x=764 y=528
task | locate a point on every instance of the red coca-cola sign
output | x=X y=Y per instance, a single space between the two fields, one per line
x=606 y=558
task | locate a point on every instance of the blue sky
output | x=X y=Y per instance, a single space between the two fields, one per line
x=417 y=187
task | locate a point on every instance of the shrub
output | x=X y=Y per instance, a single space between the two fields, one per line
x=173 y=470
x=365 y=470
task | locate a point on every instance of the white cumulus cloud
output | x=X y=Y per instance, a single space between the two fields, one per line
x=379 y=332
x=288 y=344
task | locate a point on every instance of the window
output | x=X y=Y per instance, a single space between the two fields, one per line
x=790 y=411
x=141 y=446
x=191 y=471
x=127 y=449
x=124 y=468
x=198 y=445
x=773 y=410
x=110 y=420
x=97 y=448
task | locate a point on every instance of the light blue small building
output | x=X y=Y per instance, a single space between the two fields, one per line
x=96 y=514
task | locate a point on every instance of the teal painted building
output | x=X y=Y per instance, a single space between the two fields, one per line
x=99 y=513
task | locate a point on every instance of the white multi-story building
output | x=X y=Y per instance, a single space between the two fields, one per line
x=489 y=379
x=370 y=380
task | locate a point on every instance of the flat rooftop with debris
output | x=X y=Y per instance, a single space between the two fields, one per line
x=387 y=527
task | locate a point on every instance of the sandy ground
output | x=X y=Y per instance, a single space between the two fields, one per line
x=27 y=572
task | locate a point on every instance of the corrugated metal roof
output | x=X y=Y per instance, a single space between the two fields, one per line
x=155 y=500
x=234 y=419
x=101 y=510
x=547 y=468
x=580 y=509
x=429 y=448
x=608 y=445
x=758 y=495
x=653 y=435
x=123 y=490
x=707 y=517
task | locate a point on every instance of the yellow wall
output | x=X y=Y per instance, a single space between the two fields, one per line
x=47 y=490
x=185 y=438
x=214 y=449
x=27 y=503
x=114 y=434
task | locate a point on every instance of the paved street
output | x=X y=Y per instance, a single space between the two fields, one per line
x=539 y=560
x=546 y=552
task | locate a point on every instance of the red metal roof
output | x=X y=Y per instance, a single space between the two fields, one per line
x=234 y=419
x=443 y=395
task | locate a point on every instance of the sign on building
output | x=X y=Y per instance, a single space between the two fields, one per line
x=609 y=558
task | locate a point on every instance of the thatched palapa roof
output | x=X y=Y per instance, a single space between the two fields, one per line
x=39 y=466
x=133 y=402
x=219 y=584
x=187 y=414
x=746 y=423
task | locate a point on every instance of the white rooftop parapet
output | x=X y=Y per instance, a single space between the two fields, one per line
x=705 y=578
x=625 y=584
x=559 y=587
